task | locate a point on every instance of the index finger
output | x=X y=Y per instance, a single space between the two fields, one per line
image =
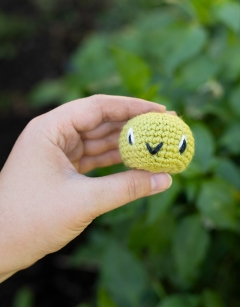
x=88 y=113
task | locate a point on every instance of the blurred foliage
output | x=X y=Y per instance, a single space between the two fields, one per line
x=12 y=30
x=24 y=298
x=179 y=248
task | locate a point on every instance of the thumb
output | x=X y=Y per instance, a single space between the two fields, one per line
x=116 y=190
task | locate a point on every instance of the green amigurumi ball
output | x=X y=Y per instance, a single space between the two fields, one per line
x=156 y=142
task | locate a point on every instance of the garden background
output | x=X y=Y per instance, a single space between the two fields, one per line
x=180 y=248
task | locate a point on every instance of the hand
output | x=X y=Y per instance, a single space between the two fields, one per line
x=45 y=201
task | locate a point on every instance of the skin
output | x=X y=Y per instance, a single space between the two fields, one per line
x=45 y=200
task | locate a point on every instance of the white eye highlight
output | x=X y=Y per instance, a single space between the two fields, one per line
x=130 y=136
x=183 y=144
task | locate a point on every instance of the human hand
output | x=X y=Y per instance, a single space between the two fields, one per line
x=45 y=200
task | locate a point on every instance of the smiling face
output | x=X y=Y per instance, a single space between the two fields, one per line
x=156 y=142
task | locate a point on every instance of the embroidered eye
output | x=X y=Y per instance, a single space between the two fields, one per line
x=130 y=136
x=183 y=144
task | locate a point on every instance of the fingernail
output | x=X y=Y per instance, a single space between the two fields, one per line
x=160 y=182
x=172 y=112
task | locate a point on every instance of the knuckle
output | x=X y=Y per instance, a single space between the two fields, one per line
x=32 y=129
x=133 y=188
x=97 y=97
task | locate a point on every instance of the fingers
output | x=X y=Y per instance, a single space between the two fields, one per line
x=87 y=114
x=88 y=163
x=96 y=147
x=106 y=128
x=172 y=112
x=102 y=130
x=116 y=190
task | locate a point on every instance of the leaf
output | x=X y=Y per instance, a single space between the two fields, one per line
x=186 y=300
x=133 y=70
x=129 y=39
x=229 y=171
x=46 y=92
x=104 y=300
x=230 y=138
x=181 y=44
x=229 y=13
x=190 y=245
x=216 y=202
x=160 y=203
x=234 y=101
x=197 y=72
x=229 y=60
x=191 y=189
x=24 y=298
x=211 y=299
x=92 y=253
x=155 y=237
x=92 y=60
x=204 y=150
x=154 y=20
x=122 y=275
x=123 y=213
x=14 y=27
x=203 y=10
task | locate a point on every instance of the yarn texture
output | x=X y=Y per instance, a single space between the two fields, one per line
x=156 y=142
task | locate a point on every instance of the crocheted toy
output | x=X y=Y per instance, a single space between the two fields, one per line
x=156 y=142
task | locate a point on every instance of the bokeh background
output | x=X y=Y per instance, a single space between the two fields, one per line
x=176 y=249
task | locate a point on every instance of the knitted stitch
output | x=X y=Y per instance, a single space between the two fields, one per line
x=156 y=142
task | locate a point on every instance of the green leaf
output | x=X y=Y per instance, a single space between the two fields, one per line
x=47 y=92
x=155 y=237
x=191 y=189
x=104 y=300
x=234 y=101
x=228 y=170
x=122 y=275
x=203 y=9
x=186 y=300
x=92 y=60
x=92 y=253
x=159 y=203
x=229 y=13
x=197 y=72
x=190 y=245
x=123 y=213
x=14 y=27
x=133 y=70
x=181 y=44
x=24 y=298
x=211 y=299
x=230 y=138
x=216 y=202
x=204 y=150
x=229 y=60
x=154 y=20
x=129 y=39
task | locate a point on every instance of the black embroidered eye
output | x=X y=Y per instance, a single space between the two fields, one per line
x=130 y=136
x=183 y=144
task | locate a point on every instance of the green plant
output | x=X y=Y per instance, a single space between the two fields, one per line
x=179 y=248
